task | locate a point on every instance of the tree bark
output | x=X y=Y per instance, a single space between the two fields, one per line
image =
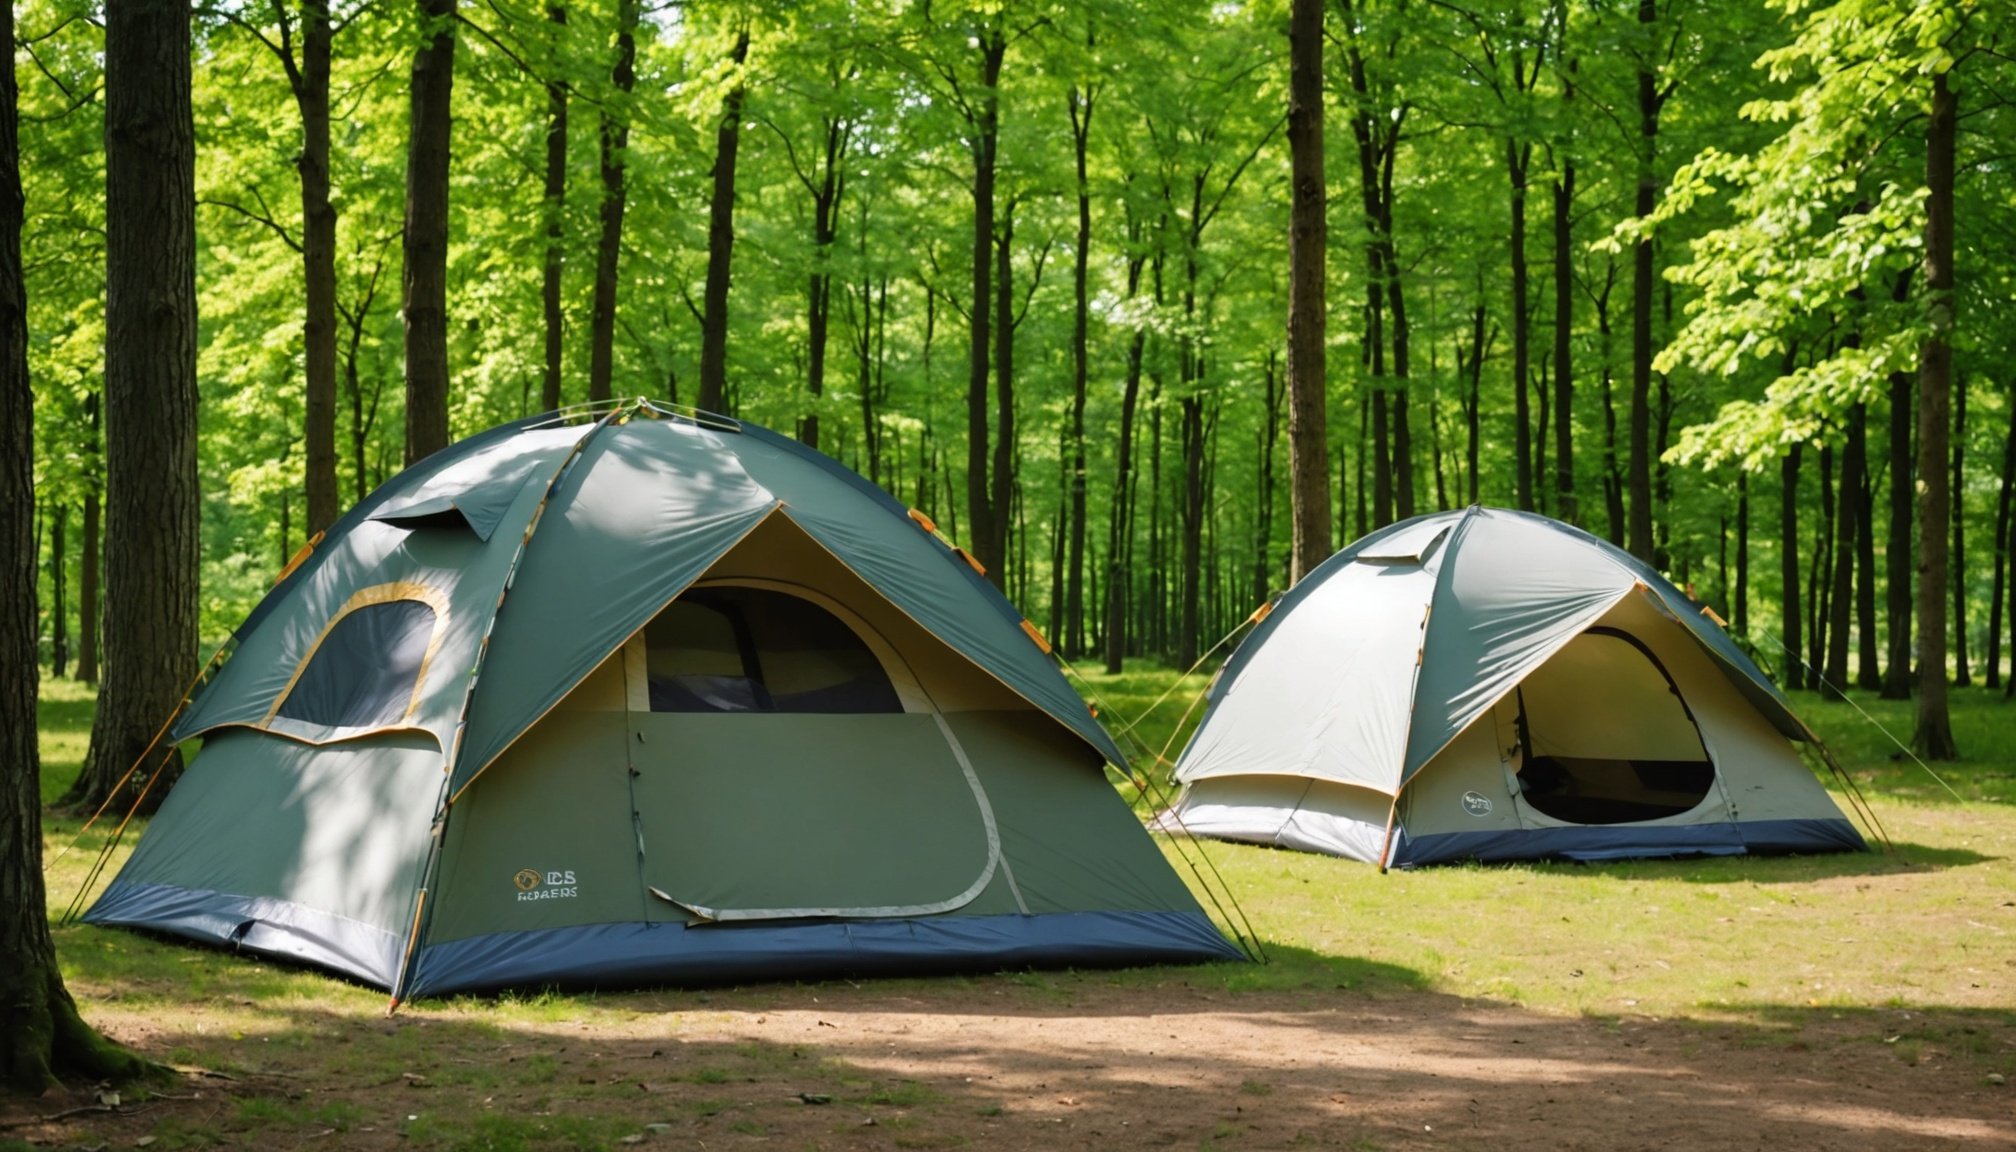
x=59 y=563
x=310 y=82
x=1082 y=103
x=1003 y=479
x=1790 y=622
x=1643 y=283
x=2002 y=550
x=1847 y=528
x=1517 y=159
x=41 y=1035
x=1897 y=601
x=89 y=572
x=151 y=528
x=1933 y=735
x=614 y=140
x=1957 y=563
x=1868 y=673
x=721 y=237
x=1739 y=616
x=983 y=136
x=425 y=273
x=554 y=203
x=1565 y=506
x=1308 y=400
x=827 y=186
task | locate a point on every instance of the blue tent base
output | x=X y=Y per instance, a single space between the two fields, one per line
x=633 y=955
x=1618 y=841
x=262 y=925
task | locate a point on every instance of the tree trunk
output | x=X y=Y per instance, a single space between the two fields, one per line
x=1517 y=158
x=89 y=569
x=1003 y=479
x=2002 y=550
x=1121 y=529
x=1897 y=670
x=59 y=563
x=1869 y=673
x=1933 y=735
x=1816 y=586
x=614 y=142
x=1643 y=282
x=425 y=273
x=1263 y=517
x=1564 y=320
x=151 y=529
x=554 y=204
x=983 y=126
x=1470 y=407
x=1739 y=610
x=1788 y=562
x=721 y=238
x=1962 y=678
x=1308 y=418
x=1073 y=632
x=41 y=1035
x=1847 y=528
x=826 y=190
x=318 y=254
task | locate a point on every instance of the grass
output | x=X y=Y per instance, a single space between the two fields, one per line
x=1910 y=948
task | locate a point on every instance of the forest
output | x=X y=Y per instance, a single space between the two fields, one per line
x=1727 y=283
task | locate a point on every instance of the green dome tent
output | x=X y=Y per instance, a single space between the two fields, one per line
x=1497 y=685
x=649 y=699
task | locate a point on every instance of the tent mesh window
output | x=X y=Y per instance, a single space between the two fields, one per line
x=364 y=671
x=1607 y=738
x=730 y=649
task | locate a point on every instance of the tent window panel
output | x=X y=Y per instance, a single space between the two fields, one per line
x=729 y=649
x=364 y=671
x=1606 y=737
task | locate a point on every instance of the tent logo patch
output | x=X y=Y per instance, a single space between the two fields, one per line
x=533 y=884
x=1476 y=804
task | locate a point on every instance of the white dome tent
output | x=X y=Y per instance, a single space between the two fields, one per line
x=1496 y=685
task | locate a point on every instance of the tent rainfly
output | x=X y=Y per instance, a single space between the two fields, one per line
x=1496 y=685
x=649 y=699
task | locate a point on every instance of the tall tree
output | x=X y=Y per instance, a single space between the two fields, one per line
x=1933 y=734
x=307 y=68
x=41 y=1034
x=1651 y=98
x=721 y=233
x=1081 y=102
x=554 y=205
x=1308 y=392
x=151 y=536
x=614 y=141
x=425 y=275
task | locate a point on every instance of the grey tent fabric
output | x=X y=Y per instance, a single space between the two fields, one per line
x=634 y=695
x=1382 y=711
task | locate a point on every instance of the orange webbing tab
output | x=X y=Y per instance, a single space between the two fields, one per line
x=1709 y=612
x=924 y=522
x=300 y=557
x=970 y=559
x=1261 y=613
x=1037 y=636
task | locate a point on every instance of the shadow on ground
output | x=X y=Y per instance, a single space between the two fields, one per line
x=1151 y=1058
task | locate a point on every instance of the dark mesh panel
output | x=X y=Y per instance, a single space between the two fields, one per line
x=755 y=650
x=366 y=668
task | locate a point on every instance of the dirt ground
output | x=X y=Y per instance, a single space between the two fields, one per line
x=1027 y=1063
